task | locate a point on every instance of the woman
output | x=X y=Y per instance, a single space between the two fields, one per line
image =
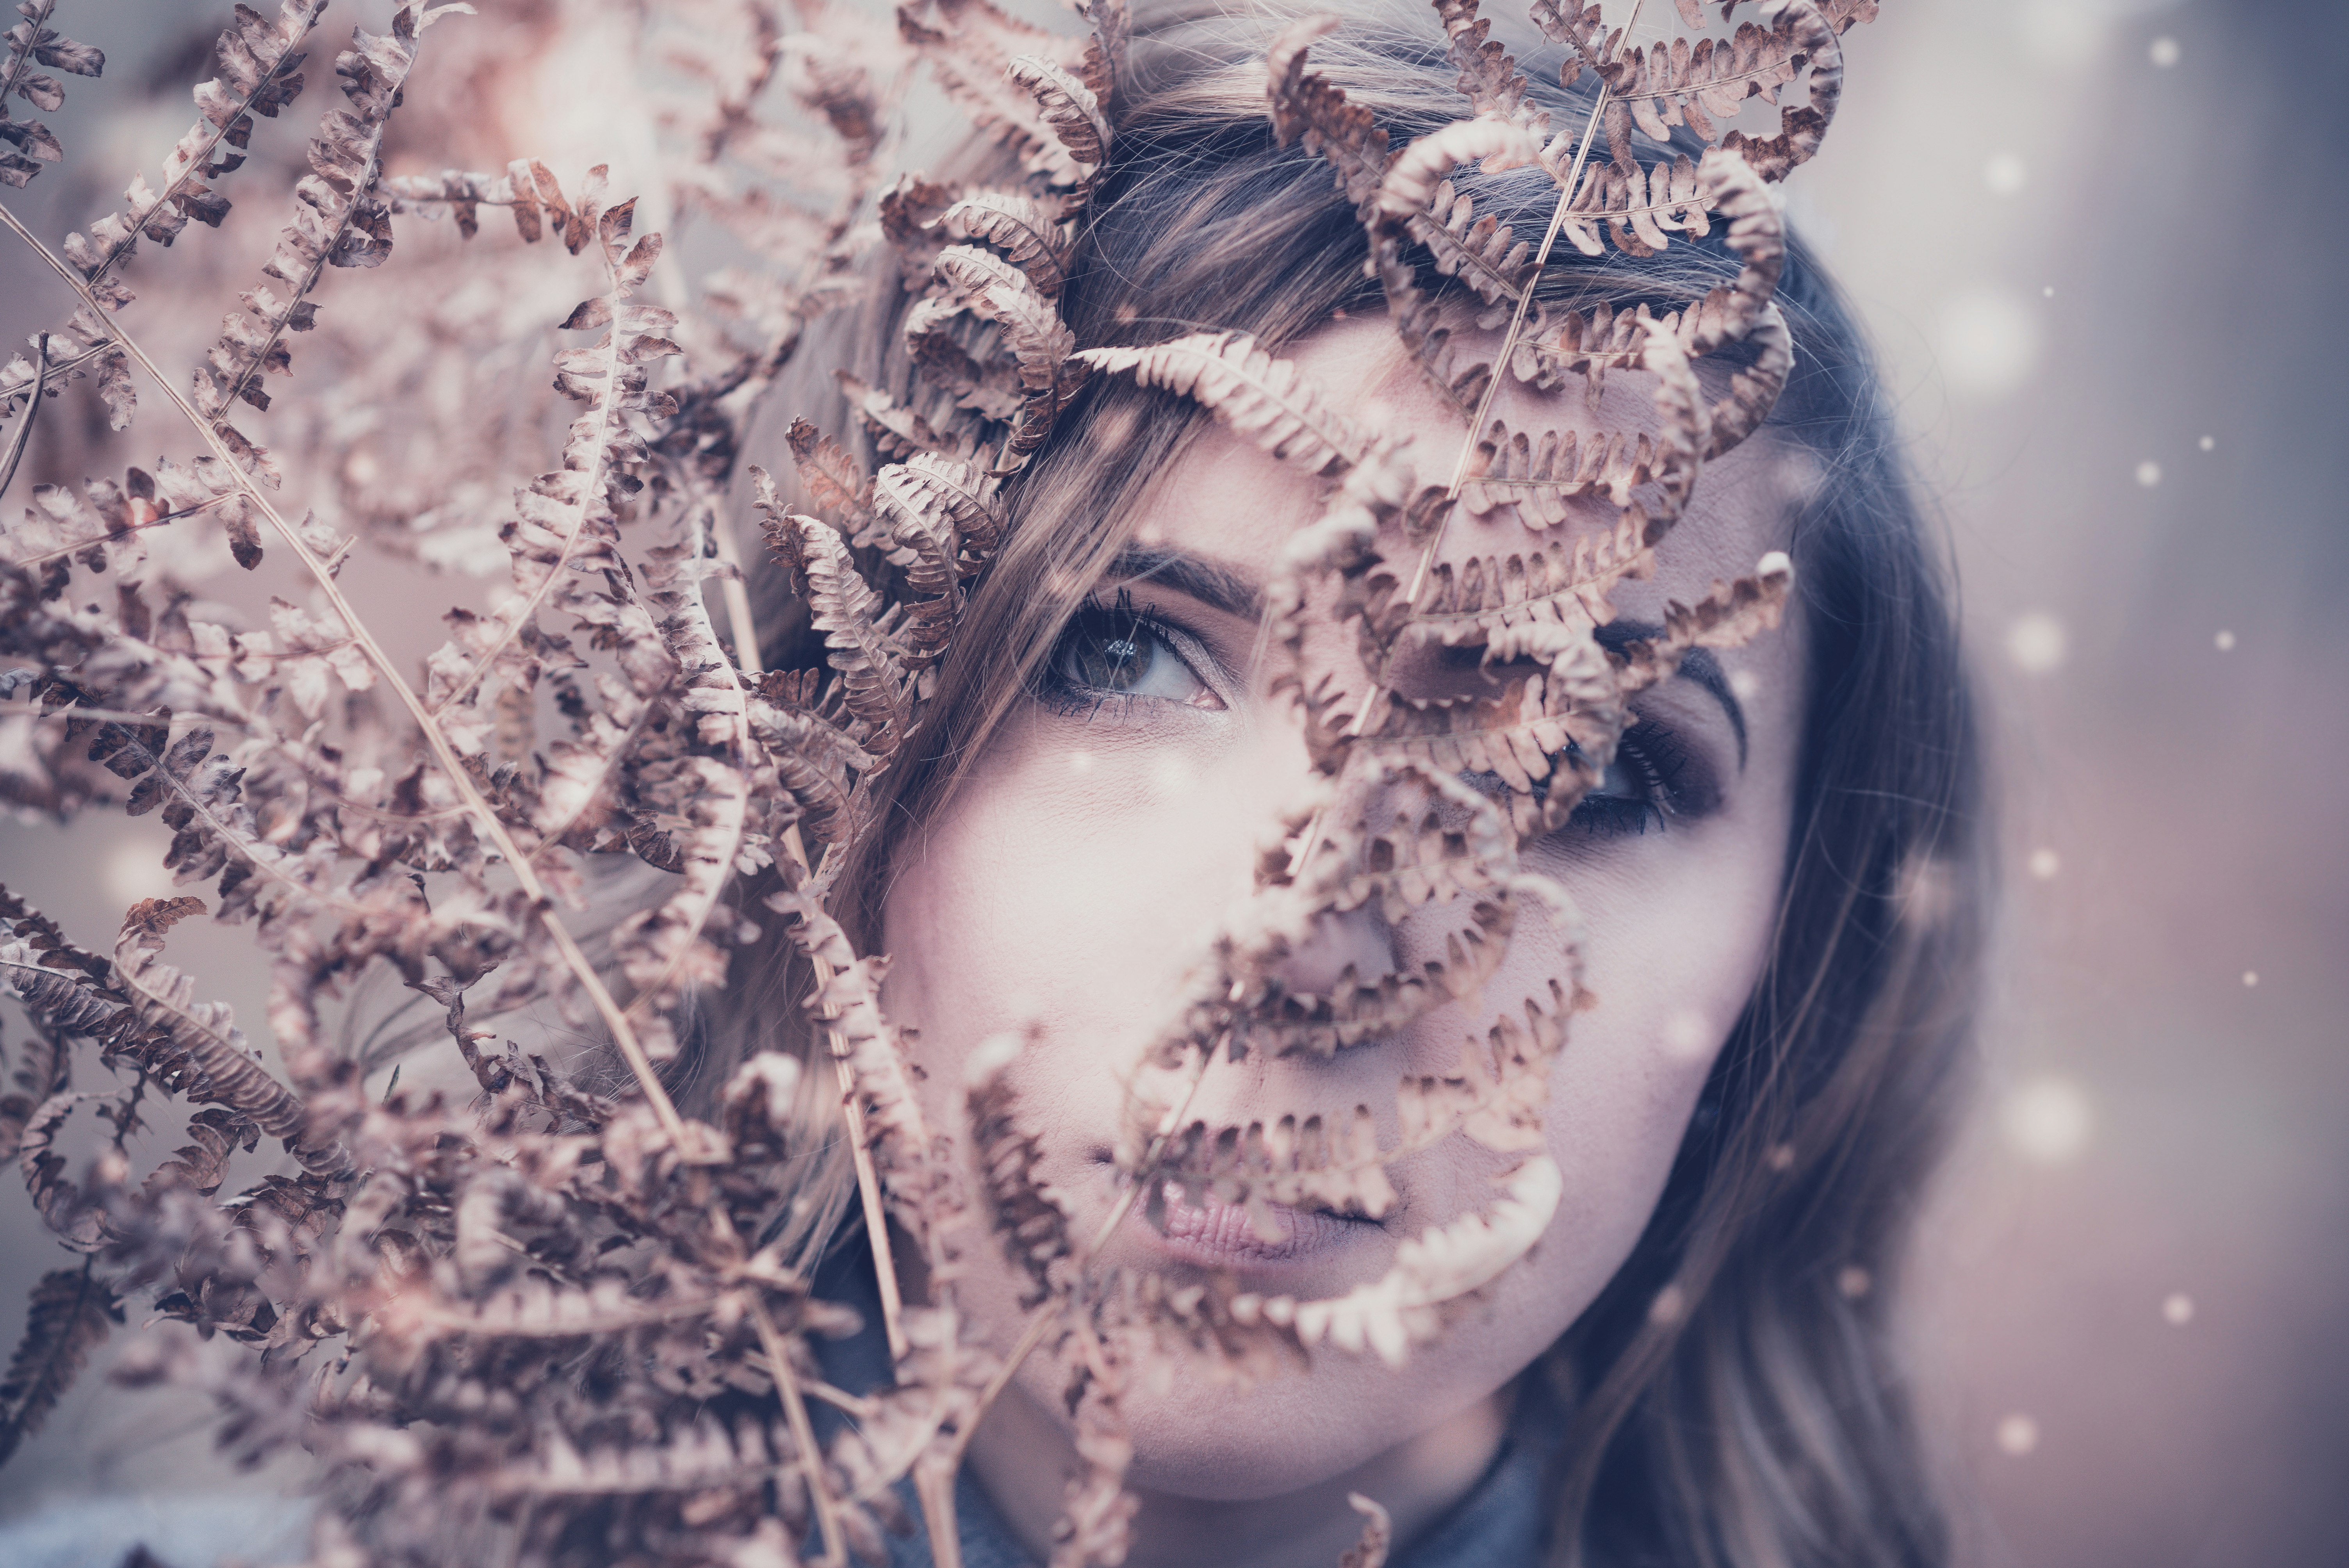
x=1773 y=894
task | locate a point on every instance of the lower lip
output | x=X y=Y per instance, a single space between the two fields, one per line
x=1219 y=1235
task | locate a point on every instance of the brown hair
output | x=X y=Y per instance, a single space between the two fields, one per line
x=1734 y=1389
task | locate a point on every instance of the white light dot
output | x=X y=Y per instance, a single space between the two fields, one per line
x=1745 y=684
x=2162 y=51
x=2018 y=1435
x=2036 y=643
x=1781 y=1156
x=1081 y=761
x=1669 y=1305
x=2251 y=978
x=1688 y=1036
x=2177 y=1309
x=1988 y=342
x=2045 y=865
x=1854 y=1282
x=2047 y=292
x=2148 y=473
x=2208 y=443
x=2224 y=642
x=2005 y=174
x=2048 y=1121
x=133 y=870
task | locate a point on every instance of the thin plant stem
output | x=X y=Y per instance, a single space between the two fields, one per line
x=485 y=817
x=743 y=631
x=735 y=593
x=868 y=1178
x=787 y=1390
x=934 y=1489
x=23 y=434
x=1517 y=321
x=1566 y=195
x=1042 y=1321
x=26 y=563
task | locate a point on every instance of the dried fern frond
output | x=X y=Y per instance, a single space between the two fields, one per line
x=1733 y=613
x=192 y=1042
x=1011 y=79
x=1432 y=1271
x=340 y=223
x=1482 y=253
x=1028 y=230
x=1665 y=86
x=835 y=484
x=259 y=61
x=567 y=519
x=1265 y=399
x=559 y=1322
x=1378 y=1533
x=1489 y=78
x=1306 y=107
x=31 y=42
x=70 y=1315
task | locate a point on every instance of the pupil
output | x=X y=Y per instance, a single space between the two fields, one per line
x=1116 y=664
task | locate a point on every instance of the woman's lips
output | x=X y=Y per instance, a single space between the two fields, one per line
x=1222 y=1235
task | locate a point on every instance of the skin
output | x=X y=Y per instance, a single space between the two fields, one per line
x=1066 y=889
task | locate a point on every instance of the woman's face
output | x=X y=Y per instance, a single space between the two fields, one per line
x=1112 y=823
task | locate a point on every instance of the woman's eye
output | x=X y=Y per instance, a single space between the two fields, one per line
x=1114 y=654
x=1618 y=782
x=1655 y=776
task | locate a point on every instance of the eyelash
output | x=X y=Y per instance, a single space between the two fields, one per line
x=1657 y=759
x=1070 y=698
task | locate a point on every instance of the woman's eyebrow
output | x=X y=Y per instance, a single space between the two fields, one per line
x=1210 y=582
x=1697 y=664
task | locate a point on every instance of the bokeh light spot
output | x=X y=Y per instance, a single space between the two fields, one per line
x=2177 y=1309
x=1688 y=1036
x=2048 y=1121
x=2162 y=51
x=2045 y=863
x=2036 y=643
x=133 y=870
x=2018 y=1435
x=1988 y=342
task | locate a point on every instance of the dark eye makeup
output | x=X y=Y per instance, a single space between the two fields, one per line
x=1112 y=656
x=1656 y=778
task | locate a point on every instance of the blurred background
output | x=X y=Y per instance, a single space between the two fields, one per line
x=2100 y=243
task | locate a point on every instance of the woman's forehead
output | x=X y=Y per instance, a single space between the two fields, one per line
x=1225 y=499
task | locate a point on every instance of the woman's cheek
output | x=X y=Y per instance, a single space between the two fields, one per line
x=1672 y=948
x=1070 y=889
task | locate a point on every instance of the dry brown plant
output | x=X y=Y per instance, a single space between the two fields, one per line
x=544 y=1322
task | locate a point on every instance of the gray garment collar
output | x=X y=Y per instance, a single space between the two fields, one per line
x=1499 y=1524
